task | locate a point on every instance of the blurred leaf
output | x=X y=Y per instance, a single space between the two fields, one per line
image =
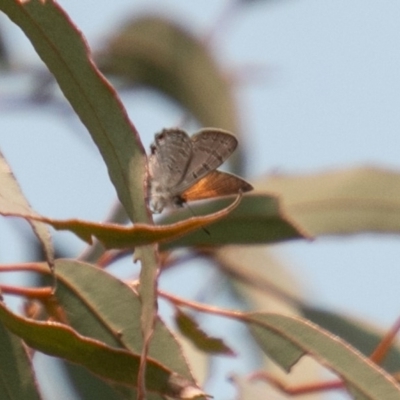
x=110 y=363
x=358 y=334
x=16 y=373
x=156 y=52
x=61 y=46
x=257 y=219
x=286 y=339
x=260 y=278
x=4 y=53
x=12 y=200
x=191 y=330
x=89 y=386
x=358 y=200
x=114 y=236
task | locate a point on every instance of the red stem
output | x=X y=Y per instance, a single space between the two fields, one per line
x=33 y=293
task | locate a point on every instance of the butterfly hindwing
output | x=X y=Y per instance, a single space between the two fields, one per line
x=210 y=148
x=215 y=184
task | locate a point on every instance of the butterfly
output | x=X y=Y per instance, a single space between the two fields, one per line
x=183 y=168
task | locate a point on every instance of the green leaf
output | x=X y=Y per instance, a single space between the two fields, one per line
x=191 y=330
x=17 y=381
x=286 y=339
x=13 y=201
x=110 y=363
x=62 y=48
x=357 y=200
x=257 y=219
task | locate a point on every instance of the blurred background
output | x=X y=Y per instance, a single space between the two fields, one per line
x=317 y=88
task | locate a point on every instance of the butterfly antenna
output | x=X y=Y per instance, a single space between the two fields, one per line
x=194 y=214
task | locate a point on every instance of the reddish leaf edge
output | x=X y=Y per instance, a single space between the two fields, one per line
x=114 y=236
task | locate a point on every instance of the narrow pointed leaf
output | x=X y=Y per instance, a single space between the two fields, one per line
x=286 y=339
x=362 y=336
x=12 y=201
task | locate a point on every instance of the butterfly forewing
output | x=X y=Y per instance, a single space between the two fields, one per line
x=170 y=156
x=215 y=184
x=210 y=148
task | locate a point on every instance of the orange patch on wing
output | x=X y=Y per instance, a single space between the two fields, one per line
x=216 y=184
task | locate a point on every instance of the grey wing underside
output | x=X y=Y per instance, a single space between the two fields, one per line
x=210 y=148
x=170 y=156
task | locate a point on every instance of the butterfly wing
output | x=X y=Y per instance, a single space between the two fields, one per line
x=215 y=184
x=210 y=148
x=170 y=156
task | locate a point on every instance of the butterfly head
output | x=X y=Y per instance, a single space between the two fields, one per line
x=157 y=204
